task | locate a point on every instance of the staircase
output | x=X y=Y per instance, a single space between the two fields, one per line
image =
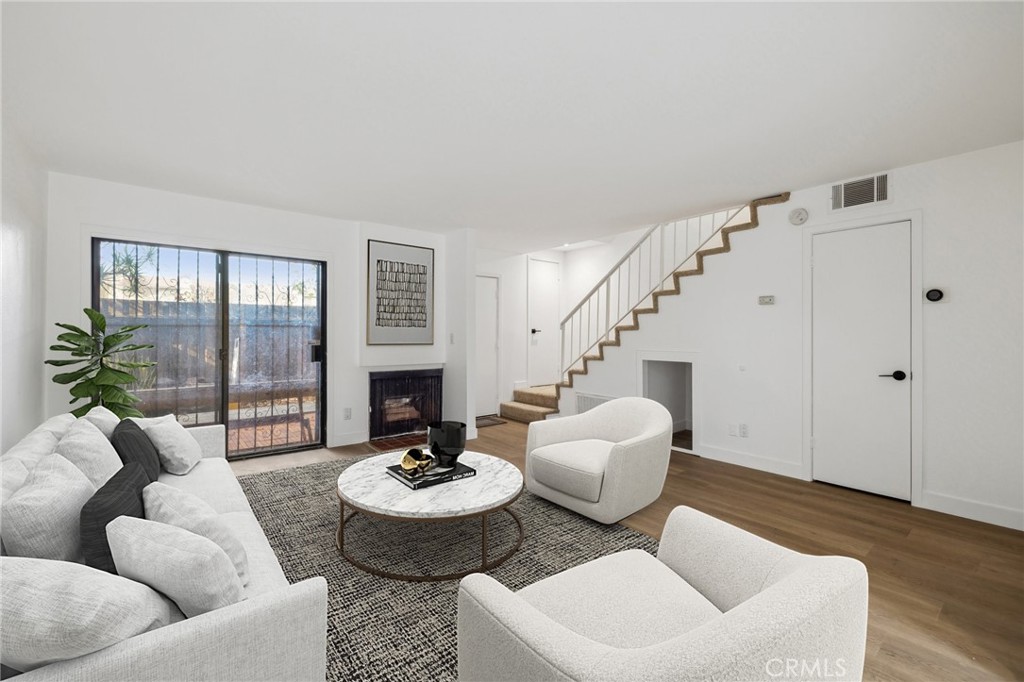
x=651 y=269
x=531 y=404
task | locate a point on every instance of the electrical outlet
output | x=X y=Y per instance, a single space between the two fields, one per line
x=744 y=432
x=348 y=413
x=766 y=300
x=732 y=429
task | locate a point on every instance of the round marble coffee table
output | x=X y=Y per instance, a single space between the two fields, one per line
x=368 y=489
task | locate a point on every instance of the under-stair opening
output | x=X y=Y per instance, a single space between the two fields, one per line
x=671 y=384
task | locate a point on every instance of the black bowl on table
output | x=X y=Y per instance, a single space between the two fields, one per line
x=447 y=441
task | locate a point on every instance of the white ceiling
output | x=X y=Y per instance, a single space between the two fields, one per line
x=536 y=124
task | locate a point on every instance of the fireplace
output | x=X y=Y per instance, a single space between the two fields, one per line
x=404 y=402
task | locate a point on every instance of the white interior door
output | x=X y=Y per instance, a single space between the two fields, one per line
x=861 y=317
x=542 y=358
x=486 y=345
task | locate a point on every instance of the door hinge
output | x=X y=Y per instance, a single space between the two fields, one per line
x=812 y=443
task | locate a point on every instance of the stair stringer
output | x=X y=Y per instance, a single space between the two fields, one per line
x=673 y=289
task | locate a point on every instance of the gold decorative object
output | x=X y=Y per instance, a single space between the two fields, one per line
x=415 y=462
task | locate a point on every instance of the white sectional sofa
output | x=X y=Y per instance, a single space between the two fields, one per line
x=277 y=632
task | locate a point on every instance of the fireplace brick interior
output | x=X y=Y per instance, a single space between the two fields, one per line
x=404 y=402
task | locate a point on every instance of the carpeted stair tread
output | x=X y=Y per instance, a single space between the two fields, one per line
x=541 y=396
x=524 y=412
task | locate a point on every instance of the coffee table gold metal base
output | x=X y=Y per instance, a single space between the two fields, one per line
x=485 y=564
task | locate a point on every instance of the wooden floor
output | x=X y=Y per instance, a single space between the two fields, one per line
x=947 y=594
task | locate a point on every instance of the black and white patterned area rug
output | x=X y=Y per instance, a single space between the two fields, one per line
x=382 y=629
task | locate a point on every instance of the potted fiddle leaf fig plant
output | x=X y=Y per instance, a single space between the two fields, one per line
x=103 y=379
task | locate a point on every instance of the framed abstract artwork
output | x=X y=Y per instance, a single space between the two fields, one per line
x=399 y=294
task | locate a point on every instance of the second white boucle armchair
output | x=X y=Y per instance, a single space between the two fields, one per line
x=606 y=463
x=717 y=603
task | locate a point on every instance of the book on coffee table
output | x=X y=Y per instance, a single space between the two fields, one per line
x=428 y=479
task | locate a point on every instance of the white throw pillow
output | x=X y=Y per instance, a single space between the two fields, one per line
x=165 y=504
x=178 y=450
x=56 y=610
x=145 y=422
x=85 y=446
x=41 y=518
x=103 y=419
x=192 y=570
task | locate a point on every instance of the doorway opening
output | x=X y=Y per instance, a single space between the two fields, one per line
x=671 y=384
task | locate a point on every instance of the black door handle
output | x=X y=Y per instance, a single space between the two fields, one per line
x=898 y=375
x=534 y=331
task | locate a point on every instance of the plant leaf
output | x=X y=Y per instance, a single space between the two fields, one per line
x=61 y=363
x=129 y=365
x=134 y=346
x=99 y=322
x=68 y=349
x=124 y=411
x=75 y=339
x=68 y=377
x=81 y=411
x=116 y=395
x=131 y=328
x=112 y=340
x=108 y=375
x=86 y=389
x=73 y=328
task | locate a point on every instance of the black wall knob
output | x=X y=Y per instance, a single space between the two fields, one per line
x=898 y=375
x=934 y=295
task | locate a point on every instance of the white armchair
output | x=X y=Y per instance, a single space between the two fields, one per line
x=718 y=603
x=605 y=463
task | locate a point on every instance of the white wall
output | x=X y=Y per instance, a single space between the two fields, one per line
x=459 y=390
x=585 y=267
x=83 y=208
x=22 y=283
x=971 y=211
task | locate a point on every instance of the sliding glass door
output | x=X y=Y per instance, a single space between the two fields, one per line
x=238 y=339
x=274 y=342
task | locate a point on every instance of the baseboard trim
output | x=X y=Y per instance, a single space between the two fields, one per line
x=744 y=459
x=972 y=509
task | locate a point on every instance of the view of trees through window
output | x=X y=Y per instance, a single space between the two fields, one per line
x=237 y=338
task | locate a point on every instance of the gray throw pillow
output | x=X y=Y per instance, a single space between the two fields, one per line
x=41 y=518
x=165 y=504
x=56 y=610
x=192 y=570
x=178 y=450
x=87 y=448
x=103 y=419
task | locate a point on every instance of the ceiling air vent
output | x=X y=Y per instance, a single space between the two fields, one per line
x=859 y=192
